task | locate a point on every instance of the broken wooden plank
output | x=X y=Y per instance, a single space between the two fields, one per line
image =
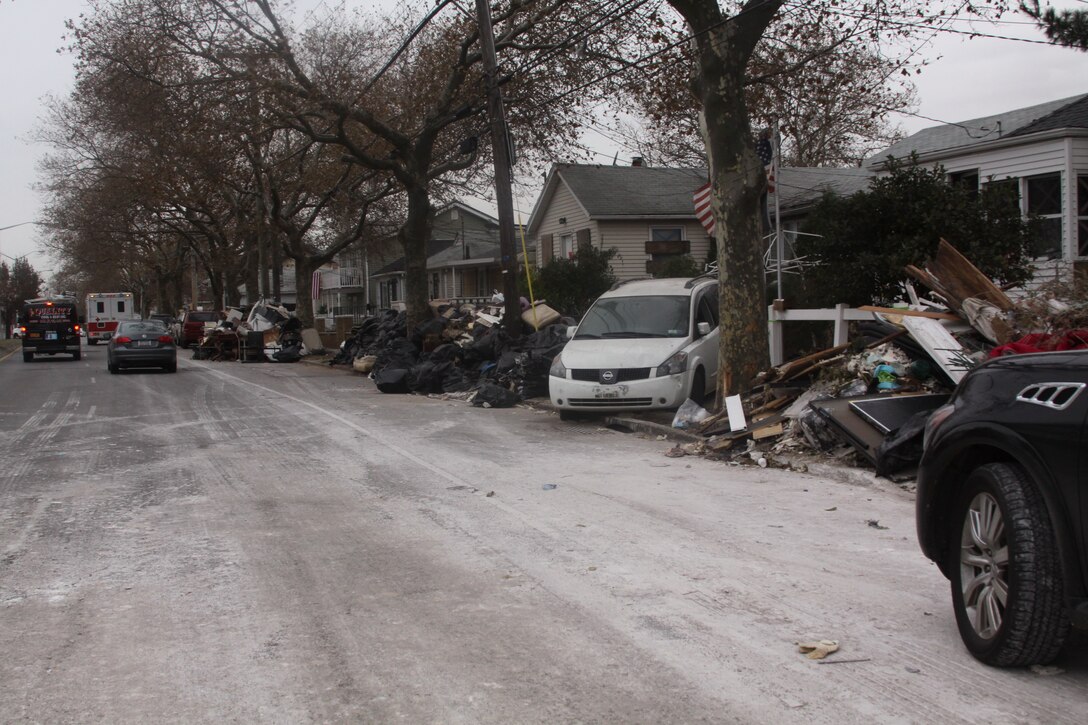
x=973 y=281
x=910 y=313
x=938 y=343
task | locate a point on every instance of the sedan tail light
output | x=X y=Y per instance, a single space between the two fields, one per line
x=165 y=338
x=122 y=340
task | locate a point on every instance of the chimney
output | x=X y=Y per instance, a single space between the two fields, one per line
x=636 y=161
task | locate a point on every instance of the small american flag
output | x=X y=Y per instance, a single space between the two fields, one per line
x=703 y=211
x=765 y=152
x=315 y=285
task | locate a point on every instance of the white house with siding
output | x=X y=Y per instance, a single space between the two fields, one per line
x=1041 y=149
x=646 y=214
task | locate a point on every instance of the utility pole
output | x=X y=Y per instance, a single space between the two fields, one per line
x=504 y=197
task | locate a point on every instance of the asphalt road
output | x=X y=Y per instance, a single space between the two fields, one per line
x=282 y=543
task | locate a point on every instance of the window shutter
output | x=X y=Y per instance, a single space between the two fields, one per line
x=583 y=238
x=546 y=251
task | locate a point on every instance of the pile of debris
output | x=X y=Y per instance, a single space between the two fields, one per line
x=462 y=351
x=265 y=332
x=869 y=400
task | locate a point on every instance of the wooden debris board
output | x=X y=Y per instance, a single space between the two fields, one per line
x=939 y=343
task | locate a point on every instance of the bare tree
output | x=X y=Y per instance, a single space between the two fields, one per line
x=725 y=48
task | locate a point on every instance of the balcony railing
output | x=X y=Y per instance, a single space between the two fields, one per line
x=343 y=277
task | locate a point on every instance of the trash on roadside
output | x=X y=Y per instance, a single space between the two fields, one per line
x=819 y=649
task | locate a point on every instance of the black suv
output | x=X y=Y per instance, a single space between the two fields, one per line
x=1003 y=504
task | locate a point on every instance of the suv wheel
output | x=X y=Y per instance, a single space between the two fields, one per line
x=1007 y=587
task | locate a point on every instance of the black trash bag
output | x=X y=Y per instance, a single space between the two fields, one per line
x=903 y=447
x=446 y=353
x=532 y=373
x=431 y=329
x=425 y=377
x=495 y=396
x=288 y=354
x=454 y=380
x=506 y=363
x=391 y=380
x=400 y=354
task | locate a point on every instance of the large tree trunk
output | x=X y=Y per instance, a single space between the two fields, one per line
x=724 y=49
x=413 y=236
x=304 y=303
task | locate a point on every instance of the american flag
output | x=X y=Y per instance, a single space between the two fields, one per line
x=315 y=285
x=702 y=207
x=765 y=152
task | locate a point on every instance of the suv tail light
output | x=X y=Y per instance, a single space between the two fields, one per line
x=122 y=340
x=77 y=328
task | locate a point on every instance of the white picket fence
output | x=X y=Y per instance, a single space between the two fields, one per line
x=840 y=315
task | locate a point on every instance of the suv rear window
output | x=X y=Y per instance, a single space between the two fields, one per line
x=202 y=316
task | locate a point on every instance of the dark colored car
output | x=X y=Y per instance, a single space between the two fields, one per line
x=1002 y=504
x=141 y=344
x=191 y=328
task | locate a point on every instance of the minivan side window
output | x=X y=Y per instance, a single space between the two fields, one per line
x=707 y=311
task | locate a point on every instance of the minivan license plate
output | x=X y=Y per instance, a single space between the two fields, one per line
x=606 y=394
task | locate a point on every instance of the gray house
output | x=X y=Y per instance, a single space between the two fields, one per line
x=462 y=259
x=1042 y=150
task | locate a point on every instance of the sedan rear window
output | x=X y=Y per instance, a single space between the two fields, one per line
x=634 y=317
x=129 y=328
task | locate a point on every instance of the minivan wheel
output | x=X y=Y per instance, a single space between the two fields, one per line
x=1007 y=586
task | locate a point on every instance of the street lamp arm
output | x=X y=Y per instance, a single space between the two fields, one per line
x=20 y=224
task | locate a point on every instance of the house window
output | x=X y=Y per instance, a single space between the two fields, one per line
x=1082 y=216
x=434 y=287
x=1044 y=200
x=666 y=244
x=393 y=292
x=967 y=179
x=566 y=246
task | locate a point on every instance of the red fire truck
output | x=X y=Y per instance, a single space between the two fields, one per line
x=104 y=311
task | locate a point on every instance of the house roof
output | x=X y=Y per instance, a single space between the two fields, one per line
x=640 y=192
x=801 y=186
x=434 y=246
x=1069 y=112
x=617 y=191
x=487 y=218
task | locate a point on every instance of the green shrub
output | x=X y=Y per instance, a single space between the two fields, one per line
x=867 y=239
x=571 y=285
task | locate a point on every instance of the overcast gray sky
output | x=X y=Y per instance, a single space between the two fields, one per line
x=966 y=79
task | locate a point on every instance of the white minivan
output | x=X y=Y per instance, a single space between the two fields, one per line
x=643 y=345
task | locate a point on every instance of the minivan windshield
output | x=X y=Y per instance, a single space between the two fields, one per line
x=633 y=317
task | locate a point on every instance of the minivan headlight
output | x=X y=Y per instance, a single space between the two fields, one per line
x=558 y=369
x=675 y=365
